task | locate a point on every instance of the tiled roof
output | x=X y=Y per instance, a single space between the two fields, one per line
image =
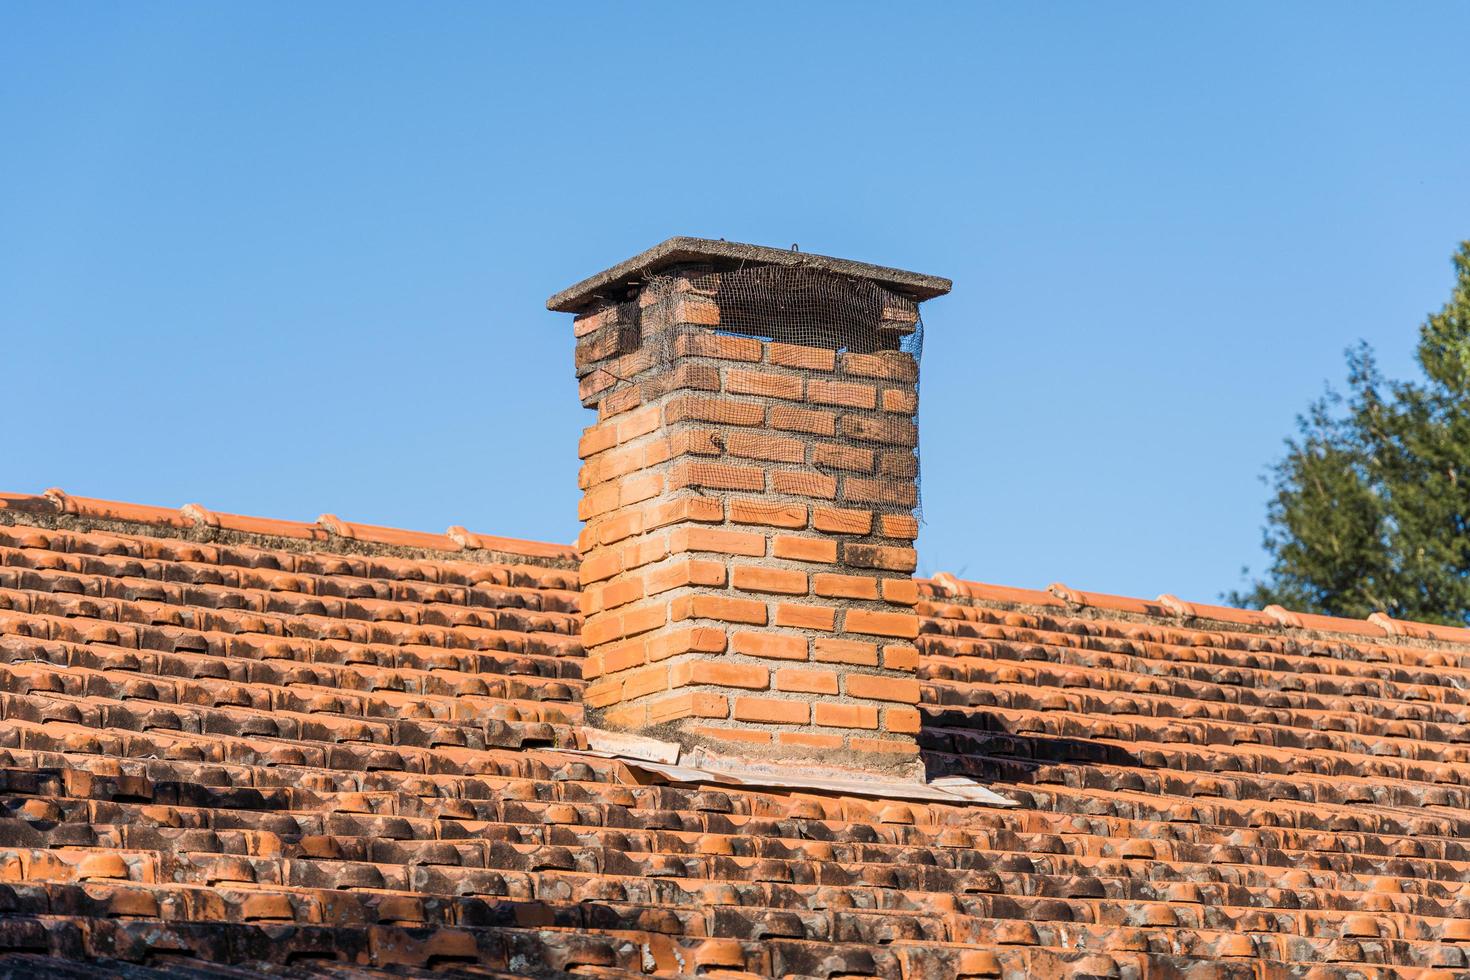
x=334 y=747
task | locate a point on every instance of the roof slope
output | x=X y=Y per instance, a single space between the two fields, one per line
x=334 y=748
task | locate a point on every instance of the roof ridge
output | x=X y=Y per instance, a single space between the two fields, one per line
x=1377 y=626
x=456 y=539
x=55 y=502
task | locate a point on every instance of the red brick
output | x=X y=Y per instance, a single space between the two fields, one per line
x=899 y=464
x=770 y=514
x=609 y=627
x=833 y=715
x=904 y=401
x=904 y=690
x=883 y=746
x=753 y=445
x=750 y=735
x=691 y=408
x=887 y=365
x=698 y=377
x=616 y=528
x=618 y=657
x=807 y=358
x=805 y=681
x=639 y=423
x=697 y=639
x=764 y=384
x=684 y=509
x=639 y=551
x=634 y=716
x=771 y=646
x=697 y=442
x=598 y=501
x=804 y=549
x=893 y=432
x=682 y=572
x=904 y=625
x=696 y=704
x=719 y=607
x=889 y=493
x=804 y=484
x=749 y=676
x=641 y=619
x=696 y=310
x=808 y=740
x=600 y=565
x=636 y=489
x=596 y=347
x=900 y=656
x=806 y=617
x=724 y=346
x=585 y=323
x=879 y=556
x=604 y=693
x=899 y=526
x=753 y=578
x=716 y=476
x=614 y=594
x=901 y=591
x=838 y=457
x=717 y=540
x=902 y=720
x=843 y=393
x=616 y=403
x=771 y=711
x=591 y=386
x=837 y=520
x=845 y=586
x=594 y=599
x=622 y=461
x=645 y=680
x=830 y=650
x=789 y=418
x=602 y=628
x=595 y=439
x=663 y=513
x=634 y=362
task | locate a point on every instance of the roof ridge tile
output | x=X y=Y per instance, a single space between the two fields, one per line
x=56 y=501
x=1376 y=626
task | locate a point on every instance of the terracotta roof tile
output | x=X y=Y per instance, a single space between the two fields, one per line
x=344 y=748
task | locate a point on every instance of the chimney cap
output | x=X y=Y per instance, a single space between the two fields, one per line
x=724 y=254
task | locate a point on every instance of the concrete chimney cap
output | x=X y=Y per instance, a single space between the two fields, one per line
x=676 y=251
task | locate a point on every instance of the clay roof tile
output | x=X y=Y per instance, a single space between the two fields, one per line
x=264 y=742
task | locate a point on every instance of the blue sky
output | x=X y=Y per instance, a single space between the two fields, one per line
x=284 y=259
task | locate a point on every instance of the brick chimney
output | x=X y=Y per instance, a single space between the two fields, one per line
x=749 y=491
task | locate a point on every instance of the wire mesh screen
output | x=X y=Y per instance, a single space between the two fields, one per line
x=822 y=391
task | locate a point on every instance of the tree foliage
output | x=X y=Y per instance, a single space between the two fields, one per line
x=1370 y=508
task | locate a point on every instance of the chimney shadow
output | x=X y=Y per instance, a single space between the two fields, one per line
x=978 y=745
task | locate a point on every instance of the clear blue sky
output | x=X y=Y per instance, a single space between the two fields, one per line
x=283 y=258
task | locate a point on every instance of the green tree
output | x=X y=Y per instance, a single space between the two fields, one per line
x=1370 y=509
